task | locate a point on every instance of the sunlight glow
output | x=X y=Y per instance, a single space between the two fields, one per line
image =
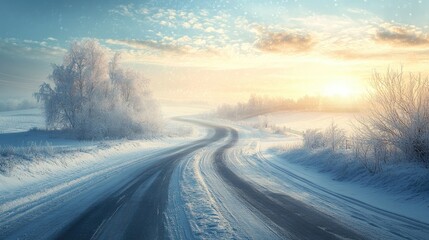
x=338 y=89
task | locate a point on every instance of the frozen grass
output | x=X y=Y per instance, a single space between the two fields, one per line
x=36 y=147
x=27 y=151
x=10 y=155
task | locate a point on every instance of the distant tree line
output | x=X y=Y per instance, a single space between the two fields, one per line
x=257 y=105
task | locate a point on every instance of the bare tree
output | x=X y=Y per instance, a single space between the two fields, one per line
x=397 y=114
x=335 y=137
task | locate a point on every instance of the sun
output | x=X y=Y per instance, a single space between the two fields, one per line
x=338 y=89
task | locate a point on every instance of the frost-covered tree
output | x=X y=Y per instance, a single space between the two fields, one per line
x=398 y=114
x=313 y=139
x=94 y=97
x=335 y=137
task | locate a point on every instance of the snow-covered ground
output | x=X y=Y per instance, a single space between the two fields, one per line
x=21 y=120
x=285 y=150
x=387 y=205
x=212 y=208
x=200 y=204
x=41 y=170
x=28 y=156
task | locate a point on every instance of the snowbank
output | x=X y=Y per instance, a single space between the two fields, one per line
x=407 y=180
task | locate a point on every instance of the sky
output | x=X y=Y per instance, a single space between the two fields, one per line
x=220 y=51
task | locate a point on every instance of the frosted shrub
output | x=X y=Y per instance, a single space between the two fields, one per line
x=96 y=98
x=334 y=137
x=369 y=155
x=313 y=138
x=398 y=115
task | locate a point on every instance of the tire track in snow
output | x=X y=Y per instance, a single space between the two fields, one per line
x=293 y=218
x=147 y=219
x=396 y=224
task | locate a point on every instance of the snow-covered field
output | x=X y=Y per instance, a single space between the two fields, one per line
x=28 y=156
x=21 y=120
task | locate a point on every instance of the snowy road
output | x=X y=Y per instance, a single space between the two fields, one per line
x=191 y=191
x=292 y=218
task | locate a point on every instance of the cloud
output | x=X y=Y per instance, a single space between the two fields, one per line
x=30 y=48
x=184 y=39
x=151 y=44
x=198 y=26
x=401 y=36
x=284 y=42
x=124 y=10
x=144 y=11
x=186 y=25
x=355 y=36
x=381 y=55
x=210 y=29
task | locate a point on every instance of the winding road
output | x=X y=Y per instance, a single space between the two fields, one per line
x=136 y=200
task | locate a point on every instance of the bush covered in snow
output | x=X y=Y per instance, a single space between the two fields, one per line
x=95 y=98
x=400 y=177
x=397 y=116
x=333 y=138
x=313 y=139
x=394 y=126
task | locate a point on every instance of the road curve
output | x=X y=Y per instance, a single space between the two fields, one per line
x=292 y=218
x=139 y=207
x=136 y=208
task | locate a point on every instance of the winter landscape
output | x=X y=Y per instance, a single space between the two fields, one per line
x=214 y=119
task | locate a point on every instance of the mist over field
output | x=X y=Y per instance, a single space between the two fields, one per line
x=282 y=119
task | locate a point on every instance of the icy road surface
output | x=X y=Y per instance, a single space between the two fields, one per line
x=205 y=189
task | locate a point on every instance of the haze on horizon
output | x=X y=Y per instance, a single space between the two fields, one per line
x=220 y=51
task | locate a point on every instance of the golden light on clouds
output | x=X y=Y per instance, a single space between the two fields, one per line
x=231 y=51
x=313 y=55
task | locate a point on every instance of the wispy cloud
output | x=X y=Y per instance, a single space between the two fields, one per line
x=357 y=35
x=401 y=35
x=284 y=42
x=125 y=10
x=150 y=44
x=31 y=48
x=159 y=20
x=398 y=56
